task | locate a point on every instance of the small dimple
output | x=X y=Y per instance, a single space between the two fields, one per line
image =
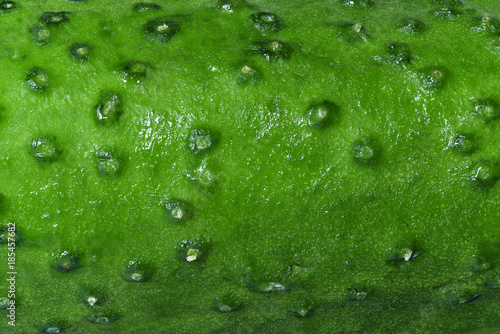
x=460 y=292
x=44 y=149
x=486 y=109
x=7 y=6
x=51 y=328
x=366 y=152
x=267 y=286
x=201 y=141
x=411 y=25
x=485 y=174
x=9 y=235
x=109 y=163
x=66 y=262
x=227 y=303
x=463 y=143
x=55 y=18
x=109 y=108
x=321 y=114
x=357 y=294
x=247 y=73
x=37 y=80
x=485 y=23
x=178 y=211
x=80 y=51
x=302 y=310
x=272 y=49
x=4 y=303
x=352 y=32
x=142 y=7
x=358 y=3
x=102 y=318
x=434 y=78
x=135 y=70
x=399 y=53
x=266 y=21
x=161 y=29
x=39 y=35
x=137 y=272
x=404 y=254
x=192 y=251
x=446 y=13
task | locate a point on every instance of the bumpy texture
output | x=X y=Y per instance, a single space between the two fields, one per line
x=250 y=167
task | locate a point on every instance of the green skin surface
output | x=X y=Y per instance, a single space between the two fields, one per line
x=284 y=192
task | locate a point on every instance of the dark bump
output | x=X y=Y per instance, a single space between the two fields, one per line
x=161 y=29
x=266 y=21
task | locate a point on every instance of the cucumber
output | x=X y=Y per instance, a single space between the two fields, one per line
x=238 y=166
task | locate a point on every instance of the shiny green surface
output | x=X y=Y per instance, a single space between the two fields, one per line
x=378 y=221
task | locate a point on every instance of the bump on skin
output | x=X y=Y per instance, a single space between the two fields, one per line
x=143 y=7
x=161 y=29
x=37 y=80
x=45 y=149
x=266 y=21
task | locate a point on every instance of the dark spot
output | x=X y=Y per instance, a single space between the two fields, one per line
x=446 y=13
x=10 y=232
x=452 y=3
x=44 y=149
x=487 y=257
x=37 y=80
x=266 y=21
x=40 y=36
x=135 y=71
x=463 y=143
x=51 y=328
x=460 y=292
x=352 y=32
x=109 y=163
x=303 y=310
x=137 y=272
x=161 y=29
x=272 y=49
x=80 y=51
x=486 y=24
x=7 y=6
x=102 y=318
x=206 y=177
x=486 y=109
x=358 y=3
x=4 y=303
x=357 y=294
x=366 y=152
x=55 y=18
x=109 y=109
x=66 y=262
x=434 y=78
x=404 y=254
x=178 y=212
x=247 y=73
x=230 y=6
x=321 y=114
x=267 y=286
x=201 y=141
x=297 y=270
x=227 y=303
x=192 y=251
x=485 y=174
x=399 y=53
x=92 y=297
x=411 y=25
x=146 y=7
